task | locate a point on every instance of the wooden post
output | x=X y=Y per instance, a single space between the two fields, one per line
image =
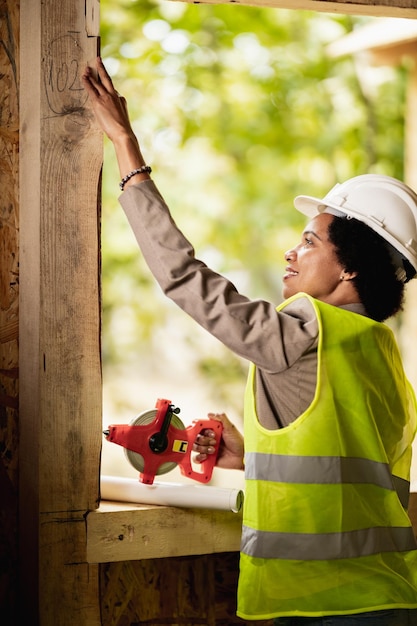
x=60 y=374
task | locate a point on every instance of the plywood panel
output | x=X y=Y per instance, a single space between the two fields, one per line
x=9 y=292
x=185 y=591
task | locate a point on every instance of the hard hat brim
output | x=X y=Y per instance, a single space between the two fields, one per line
x=311 y=206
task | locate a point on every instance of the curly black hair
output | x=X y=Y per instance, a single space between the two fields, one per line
x=360 y=249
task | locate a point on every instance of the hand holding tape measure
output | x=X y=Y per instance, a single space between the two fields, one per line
x=156 y=441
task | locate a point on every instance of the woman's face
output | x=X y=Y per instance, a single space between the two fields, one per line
x=313 y=267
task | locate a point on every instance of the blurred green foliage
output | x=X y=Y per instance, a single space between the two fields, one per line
x=238 y=110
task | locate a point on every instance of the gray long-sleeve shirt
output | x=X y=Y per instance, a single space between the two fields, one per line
x=283 y=345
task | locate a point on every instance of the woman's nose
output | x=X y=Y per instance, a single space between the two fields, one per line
x=289 y=255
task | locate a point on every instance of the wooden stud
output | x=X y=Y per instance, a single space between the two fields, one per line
x=60 y=370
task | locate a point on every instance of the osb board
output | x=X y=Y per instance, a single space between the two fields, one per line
x=9 y=284
x=9 y=229
x=186 y=591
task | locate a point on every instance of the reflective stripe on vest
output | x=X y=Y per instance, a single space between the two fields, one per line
x=327 y=546
x=324 y=469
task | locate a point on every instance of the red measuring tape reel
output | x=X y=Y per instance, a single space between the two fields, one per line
x=156 y=441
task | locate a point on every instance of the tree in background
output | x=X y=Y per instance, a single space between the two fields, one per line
x=238 y=109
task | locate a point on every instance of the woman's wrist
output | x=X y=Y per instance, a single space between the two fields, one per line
x=138 y=171
x=132 y=166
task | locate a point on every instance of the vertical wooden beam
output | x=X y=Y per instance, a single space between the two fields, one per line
x=60 y=372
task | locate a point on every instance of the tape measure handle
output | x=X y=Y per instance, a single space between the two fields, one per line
x=207 y=466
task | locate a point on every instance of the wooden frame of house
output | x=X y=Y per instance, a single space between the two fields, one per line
x=50 y=369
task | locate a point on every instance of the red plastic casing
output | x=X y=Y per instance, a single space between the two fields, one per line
x=178 y=450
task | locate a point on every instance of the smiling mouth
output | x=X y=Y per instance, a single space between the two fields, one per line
x=289 y=273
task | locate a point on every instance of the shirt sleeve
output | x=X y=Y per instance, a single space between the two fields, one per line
x=253 y=329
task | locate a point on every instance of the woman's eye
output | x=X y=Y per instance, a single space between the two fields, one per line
x=308 y=241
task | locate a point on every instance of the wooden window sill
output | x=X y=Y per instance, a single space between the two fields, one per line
x=124 y=532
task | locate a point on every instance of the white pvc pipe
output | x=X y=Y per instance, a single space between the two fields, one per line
x=171 y=494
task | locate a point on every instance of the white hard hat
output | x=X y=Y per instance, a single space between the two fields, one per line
x=385 y=204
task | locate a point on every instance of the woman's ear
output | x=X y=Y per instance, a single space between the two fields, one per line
x=345 y=275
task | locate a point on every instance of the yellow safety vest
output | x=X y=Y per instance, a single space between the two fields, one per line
x=325 y=526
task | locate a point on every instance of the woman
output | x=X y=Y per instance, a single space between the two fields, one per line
x=329 y=414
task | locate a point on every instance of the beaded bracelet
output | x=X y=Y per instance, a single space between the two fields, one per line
x=145 y=169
